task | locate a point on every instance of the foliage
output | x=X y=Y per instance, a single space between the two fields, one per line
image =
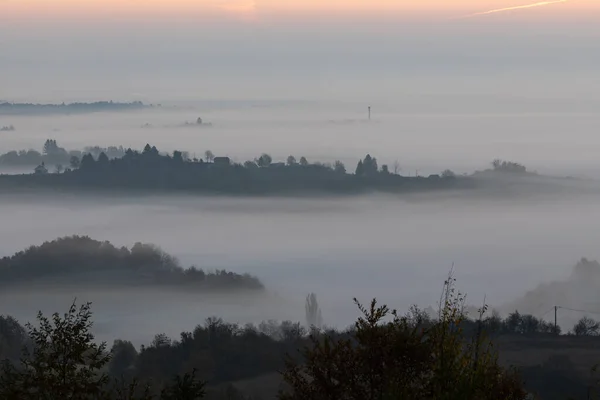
x=87 y=260
x=444 y=357
x=448 y=174
x=115 y=168
x=184 y=388
x=586 y=327
x=520 y=324
x=52 y=153
x=13 y=338
x=123 y=355
x=339 y=167
x=65 y=362
x=264 y=160
x=507 y=166
x=405 y=358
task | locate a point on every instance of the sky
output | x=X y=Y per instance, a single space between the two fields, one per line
x=159 y=49
x=278 y=8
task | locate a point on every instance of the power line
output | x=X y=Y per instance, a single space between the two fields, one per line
x=544 y=314
x=577 y=310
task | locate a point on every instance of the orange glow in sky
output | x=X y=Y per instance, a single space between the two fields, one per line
x=253 y=8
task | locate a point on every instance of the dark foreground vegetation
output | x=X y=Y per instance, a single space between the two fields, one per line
x=71 y=108
x=385 y=355
x=150 y=170
x=81 y=260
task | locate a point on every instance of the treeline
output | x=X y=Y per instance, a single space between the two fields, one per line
x=223 y=352
x=383 y=355
x=60 y=360
x=81 y=259
x=55 y=157
x=7 y=108
x=151 y=170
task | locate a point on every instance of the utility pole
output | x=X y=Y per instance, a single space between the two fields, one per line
x=369 y=113
x=555 y=325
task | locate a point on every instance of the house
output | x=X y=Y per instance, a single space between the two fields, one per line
x=222 y=161
x=41 y=169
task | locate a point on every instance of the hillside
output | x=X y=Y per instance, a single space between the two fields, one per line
x=84 y=261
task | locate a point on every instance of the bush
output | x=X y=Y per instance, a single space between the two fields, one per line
x=405 y=358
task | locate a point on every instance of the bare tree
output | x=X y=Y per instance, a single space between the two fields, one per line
x=397 y=168
x=209 y=156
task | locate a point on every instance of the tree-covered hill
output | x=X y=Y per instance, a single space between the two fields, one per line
x=82 y=260
x=151 y=170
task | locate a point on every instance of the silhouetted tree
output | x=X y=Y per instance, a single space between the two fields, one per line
x=448 y=174
x=87 y=162
x=385 y=170
x=209 y=156
x=402 y=359
x=586 y=327
x=264 y=160
x=50 y=147
x=370 y=165
x=123 y=355
x=74 y=162
x=360 y=170
x=507 y=166
x=513 y=322
x=13 y=338
x=65 y=362
x=303 y=161
x=314 y=318
x=187 y=387
x=177 y=156
x=291 y=160
x=103 y=160
x=339 y=167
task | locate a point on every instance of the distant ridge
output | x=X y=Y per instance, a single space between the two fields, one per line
x=8 y=108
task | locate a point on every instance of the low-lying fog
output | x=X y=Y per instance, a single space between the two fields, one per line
x=424 y=134
x=398 y=249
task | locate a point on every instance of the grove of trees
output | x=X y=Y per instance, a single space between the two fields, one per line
x=85 y=260
x=116 y=168
x=385 y=355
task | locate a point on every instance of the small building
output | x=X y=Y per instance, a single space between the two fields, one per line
x=41 y=169
x=222 y=161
